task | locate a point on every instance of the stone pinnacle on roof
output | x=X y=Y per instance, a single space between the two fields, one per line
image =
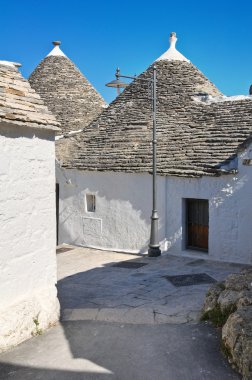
x=56 y=51
x=172 y=54
x=66 y=91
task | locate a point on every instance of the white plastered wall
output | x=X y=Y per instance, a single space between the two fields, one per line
x=123 y=207
x=121 y=220
x=230 y=213
x=28 y=233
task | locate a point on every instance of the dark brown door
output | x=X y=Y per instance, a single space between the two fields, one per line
x=197 y=224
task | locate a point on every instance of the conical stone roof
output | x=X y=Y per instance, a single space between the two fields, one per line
x=198 y=129
x=66 y=92
x=20 y=105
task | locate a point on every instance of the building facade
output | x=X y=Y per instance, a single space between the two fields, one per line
x=203 y=165
x=28 y=294
x=118 y=216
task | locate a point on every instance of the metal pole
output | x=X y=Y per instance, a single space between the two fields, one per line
x=117 y=77
x=154 y=248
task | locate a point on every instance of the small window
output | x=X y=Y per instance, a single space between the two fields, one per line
x=90 y=202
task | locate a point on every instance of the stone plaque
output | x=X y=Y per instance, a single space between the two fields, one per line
x=92 y=227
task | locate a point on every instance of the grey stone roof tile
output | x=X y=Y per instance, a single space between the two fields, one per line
x=195 y=138
x=19 y=103
x=66 y=92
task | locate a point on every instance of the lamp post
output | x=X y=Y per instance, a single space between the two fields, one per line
x=154 y=247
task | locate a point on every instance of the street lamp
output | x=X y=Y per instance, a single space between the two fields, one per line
x=118 y=83
x=154 y=247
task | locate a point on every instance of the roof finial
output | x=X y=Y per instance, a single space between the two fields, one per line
x=172 y=54
x=56 y=50
x=173 y=39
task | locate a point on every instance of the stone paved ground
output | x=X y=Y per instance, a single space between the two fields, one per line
x=124 y=324
x=91 y=288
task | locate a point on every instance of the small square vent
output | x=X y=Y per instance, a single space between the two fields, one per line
x=190 y=279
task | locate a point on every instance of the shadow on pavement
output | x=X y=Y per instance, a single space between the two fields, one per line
x=90 y=349
x=115 y=351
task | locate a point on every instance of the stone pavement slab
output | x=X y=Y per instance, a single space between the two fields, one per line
x=94 y=350
x=119 y=323
x=91 y=287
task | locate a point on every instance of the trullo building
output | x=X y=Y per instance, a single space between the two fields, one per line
x=27 y=219
x=204 y=157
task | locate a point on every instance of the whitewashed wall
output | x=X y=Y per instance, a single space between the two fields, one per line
x=122 y=217
x=230 y=214
x=27 y=233
x=123 y=209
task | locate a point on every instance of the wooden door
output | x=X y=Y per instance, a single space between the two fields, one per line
x=197 y=224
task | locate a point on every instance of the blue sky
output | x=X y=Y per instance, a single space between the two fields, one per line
x=100 y=35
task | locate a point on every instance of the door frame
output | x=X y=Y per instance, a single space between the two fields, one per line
x=186 y=245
